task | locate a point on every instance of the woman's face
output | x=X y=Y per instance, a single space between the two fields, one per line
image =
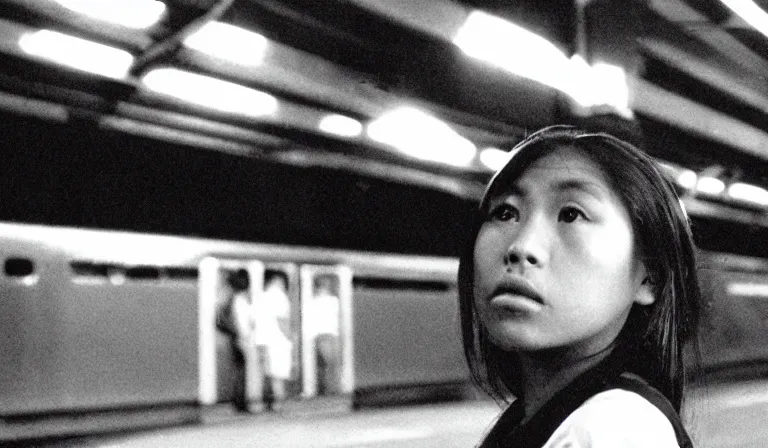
x=555 y=264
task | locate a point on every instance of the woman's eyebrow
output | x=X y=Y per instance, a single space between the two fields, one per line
x=589 y=187
x=516 y=190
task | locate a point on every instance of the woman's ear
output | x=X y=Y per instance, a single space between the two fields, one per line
x=645 y=292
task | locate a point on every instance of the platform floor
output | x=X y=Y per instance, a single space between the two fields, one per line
x=722 y=416
x=457 y=424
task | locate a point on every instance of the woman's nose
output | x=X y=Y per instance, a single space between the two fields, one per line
x=528 y=246
x=516 y=255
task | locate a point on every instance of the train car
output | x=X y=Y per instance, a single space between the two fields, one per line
x=97 y=321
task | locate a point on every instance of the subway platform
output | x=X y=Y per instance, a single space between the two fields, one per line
x=727 y=415
x=444 y=425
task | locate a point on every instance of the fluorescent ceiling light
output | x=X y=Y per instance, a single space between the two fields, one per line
x=77 y=53
x=684 y=177
x=130 y=13
x=229 y=42
x=420 y=135
x=523 y=53
x=210 y=92
x=687 y=179
x=340 y=125
x=710 y=185
x=748 y=193
x=597 y=85
x=513 y=48
x=748 y=290
x=750 y=12
x=494 y=158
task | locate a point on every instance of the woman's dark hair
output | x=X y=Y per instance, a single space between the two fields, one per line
x=653 y=337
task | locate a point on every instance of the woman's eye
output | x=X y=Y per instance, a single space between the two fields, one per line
x=570 y=214
x=505 y=212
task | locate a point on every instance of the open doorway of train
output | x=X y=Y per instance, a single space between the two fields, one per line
x=275 y=335
x=327 y=350
x=228 y=360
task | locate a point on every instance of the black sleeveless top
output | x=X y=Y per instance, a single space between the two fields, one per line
x=607 y=375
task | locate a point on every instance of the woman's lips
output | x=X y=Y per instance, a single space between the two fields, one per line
x=517 y=296
x=517 y=287
x=516 y=304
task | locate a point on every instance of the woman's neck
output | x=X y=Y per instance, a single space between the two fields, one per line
x=543 y=375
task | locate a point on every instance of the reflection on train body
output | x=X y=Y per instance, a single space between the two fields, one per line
x=105 y=320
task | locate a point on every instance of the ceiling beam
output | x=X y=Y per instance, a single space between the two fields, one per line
x=49 y=14
x=655 y=102
x=728 y=79
x=697 y=25
x=438 y=18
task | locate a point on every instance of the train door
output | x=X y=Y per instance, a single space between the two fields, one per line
x=326 y=316
x=228 y=366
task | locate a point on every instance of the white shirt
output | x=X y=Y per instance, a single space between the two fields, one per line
x=271 y=305
x=324 y=312
x=615 y=418
x=241 y=314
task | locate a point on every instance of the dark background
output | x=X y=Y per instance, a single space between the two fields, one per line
x=79 y=175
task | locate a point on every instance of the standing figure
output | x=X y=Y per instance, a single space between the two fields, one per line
x=326 y=317
x=272 y=335
x=577 y=291
x=233 y=317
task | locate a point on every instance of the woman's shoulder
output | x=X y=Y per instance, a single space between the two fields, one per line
x=615 y=418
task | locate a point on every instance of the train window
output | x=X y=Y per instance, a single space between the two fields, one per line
x=182 y=273
x=142 y=273
x=119 y=273
x=718 y=235
x=19 y=267
x=90 y=269
x=400 y=284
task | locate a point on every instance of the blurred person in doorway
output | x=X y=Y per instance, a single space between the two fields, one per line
x=233 y=317
x=325 y=312
x=272 y=336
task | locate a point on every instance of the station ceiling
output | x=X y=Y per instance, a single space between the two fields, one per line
x=696 y=75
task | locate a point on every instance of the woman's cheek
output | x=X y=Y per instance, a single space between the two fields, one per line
x=612 y=246
x=484 y=257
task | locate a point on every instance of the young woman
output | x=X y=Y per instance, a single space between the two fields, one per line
x=577 y=291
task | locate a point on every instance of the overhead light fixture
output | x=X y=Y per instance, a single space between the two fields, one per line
x=210 y=92
x=340 y=125
x=748 y=289
x=129 y=13
x=597 y=85
x=710 y=185
x=683 y=177
x=77 y=53
x=229 y=42
x=518 y=51
x=513 y=48
x=751 y=13
x=687 y=179
x=748 y=193
x=423 y=136
x=494 y=158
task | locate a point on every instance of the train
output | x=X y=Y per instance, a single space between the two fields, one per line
x=98 y=321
